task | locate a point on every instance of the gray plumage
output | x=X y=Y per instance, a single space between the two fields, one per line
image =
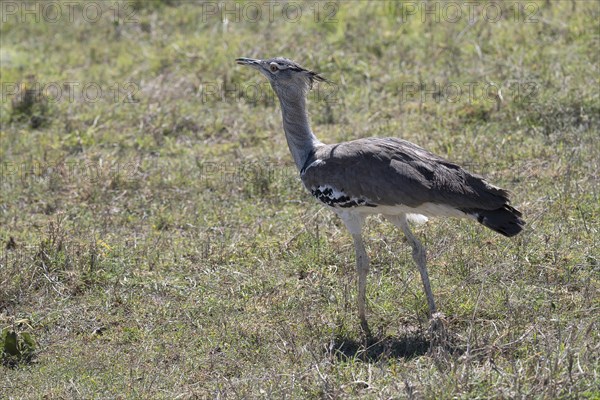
x=390 y=172
x=380 y=175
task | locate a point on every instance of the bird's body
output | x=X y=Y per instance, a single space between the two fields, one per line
x=387 y=176
x=393 y=176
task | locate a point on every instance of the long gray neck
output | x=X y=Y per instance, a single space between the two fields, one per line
x=301 y=141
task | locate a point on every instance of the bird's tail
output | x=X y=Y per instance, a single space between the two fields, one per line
x=505 y=220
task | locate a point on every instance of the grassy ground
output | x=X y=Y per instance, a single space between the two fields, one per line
x=156 y=241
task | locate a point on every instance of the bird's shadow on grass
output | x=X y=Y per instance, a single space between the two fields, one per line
x=406 y=345
x=380 y=348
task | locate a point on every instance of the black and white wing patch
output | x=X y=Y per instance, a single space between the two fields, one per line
x=337 y=198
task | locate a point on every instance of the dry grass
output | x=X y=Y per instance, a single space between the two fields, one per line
x=157 y=243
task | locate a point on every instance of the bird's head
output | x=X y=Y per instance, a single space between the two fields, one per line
x=286 y=77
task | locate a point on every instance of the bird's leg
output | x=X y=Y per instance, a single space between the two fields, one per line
x=362 y=268
x=419 y=255
x=354 y=222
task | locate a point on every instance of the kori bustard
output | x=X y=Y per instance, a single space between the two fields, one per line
x=386 y=176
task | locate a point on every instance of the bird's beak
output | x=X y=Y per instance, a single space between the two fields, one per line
x=251 y=62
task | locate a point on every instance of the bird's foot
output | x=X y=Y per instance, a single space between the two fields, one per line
x=365 y=329
x=438 y=329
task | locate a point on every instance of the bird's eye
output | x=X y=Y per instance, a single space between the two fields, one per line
x=273 y=67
